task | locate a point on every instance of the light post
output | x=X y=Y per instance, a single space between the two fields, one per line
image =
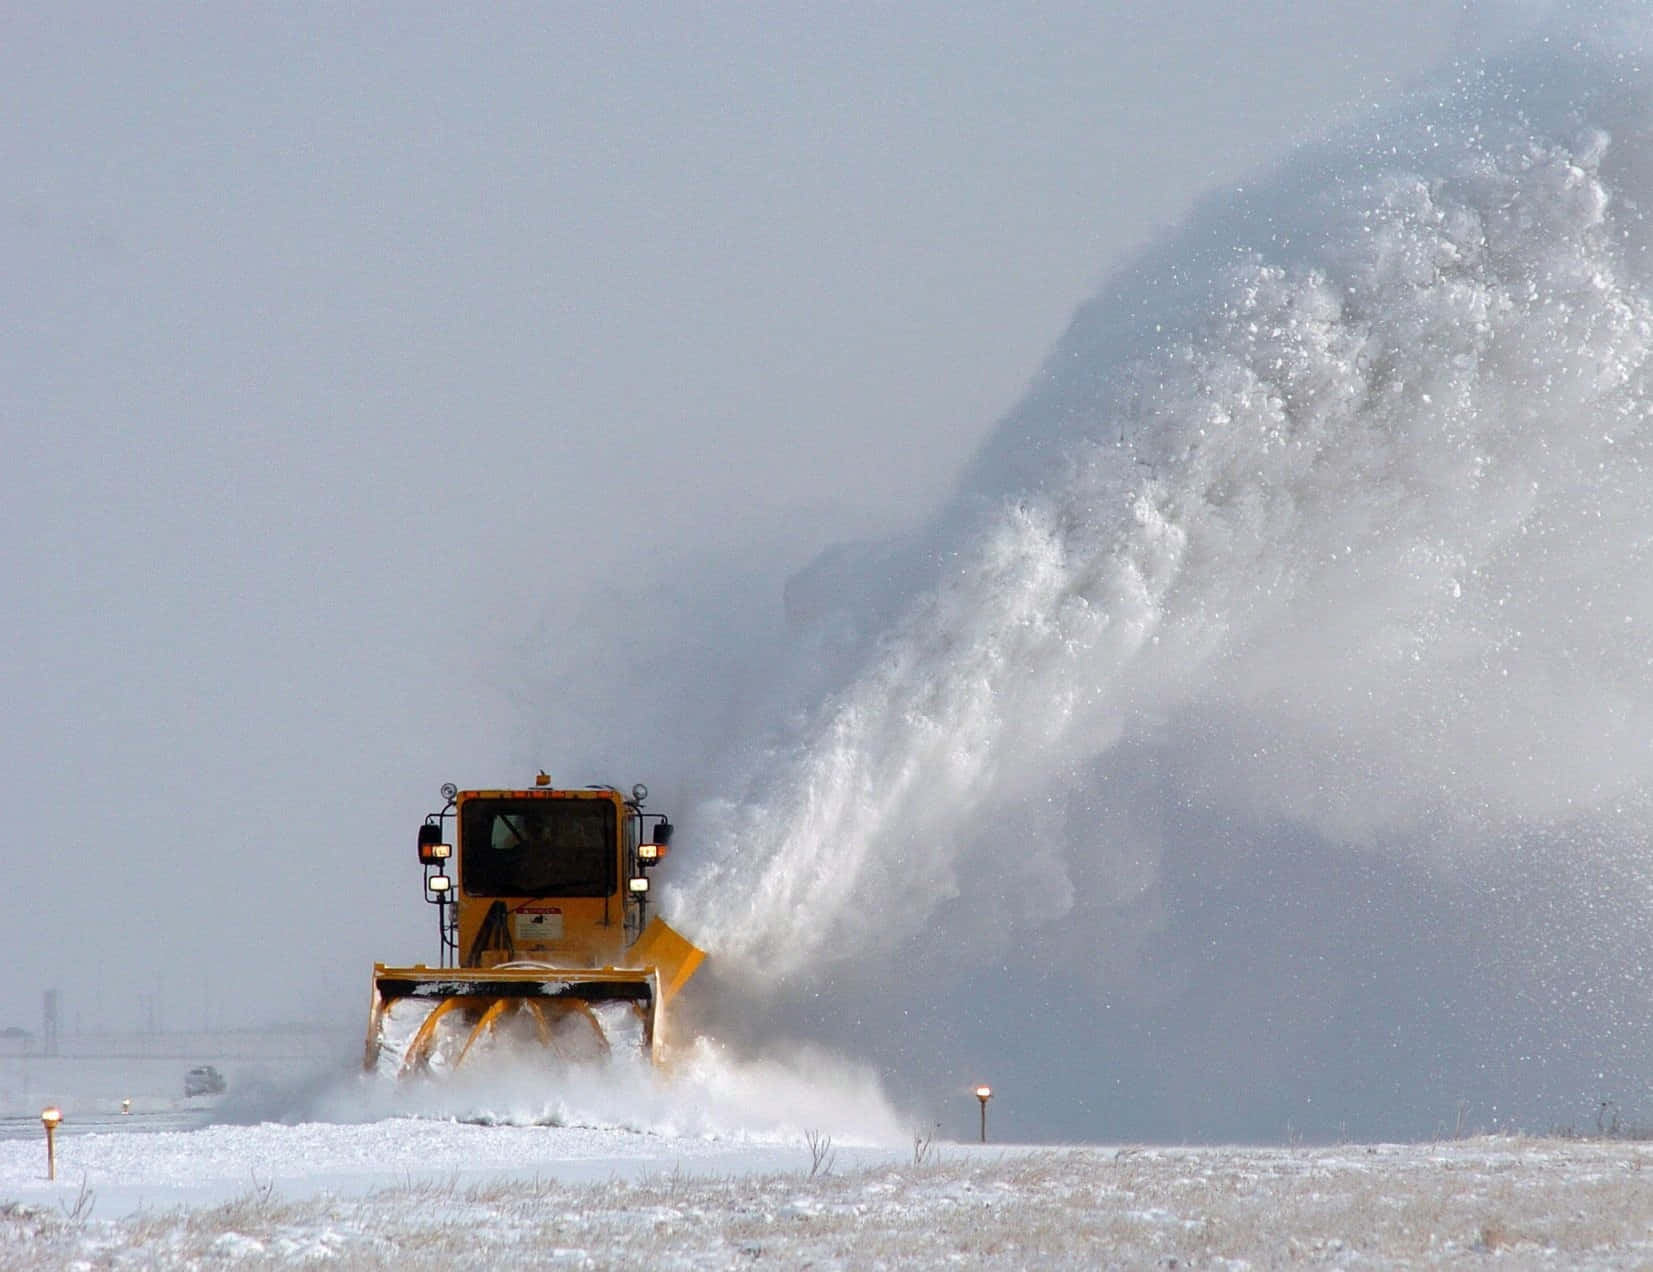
x=50 y=1116
x=984 y=1094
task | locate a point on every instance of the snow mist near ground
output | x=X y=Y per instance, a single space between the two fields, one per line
x=705 y=1093
x=1259 y=741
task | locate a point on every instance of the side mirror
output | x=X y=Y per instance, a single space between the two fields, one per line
x=431 y=848
x=663 y=833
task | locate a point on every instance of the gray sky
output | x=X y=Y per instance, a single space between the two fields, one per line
x=343 y=345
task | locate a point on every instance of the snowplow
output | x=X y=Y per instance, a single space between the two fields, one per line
x=547 y=949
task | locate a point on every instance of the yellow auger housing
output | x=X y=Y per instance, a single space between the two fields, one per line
x=542 y=900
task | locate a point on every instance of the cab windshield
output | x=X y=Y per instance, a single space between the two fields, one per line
x=537 y=848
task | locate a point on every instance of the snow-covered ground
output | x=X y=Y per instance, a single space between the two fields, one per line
x=417 y=1193
x=790 y=1162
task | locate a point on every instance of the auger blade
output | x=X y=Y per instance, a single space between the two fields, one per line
x=434 y=1020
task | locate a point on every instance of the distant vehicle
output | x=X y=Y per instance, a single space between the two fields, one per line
x=203 y=1080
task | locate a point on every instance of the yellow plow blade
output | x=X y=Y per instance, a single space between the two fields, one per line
x=427 y=1020
x=434 y=1019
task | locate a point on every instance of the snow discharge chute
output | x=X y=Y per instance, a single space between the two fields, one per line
x=542 y=899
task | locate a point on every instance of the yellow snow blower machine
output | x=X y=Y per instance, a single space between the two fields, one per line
x=541 y=898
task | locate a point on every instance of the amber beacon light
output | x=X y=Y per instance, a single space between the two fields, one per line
x=50 y=1116
x=984 y=1093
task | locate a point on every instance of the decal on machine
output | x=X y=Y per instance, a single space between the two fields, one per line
x=534 y=921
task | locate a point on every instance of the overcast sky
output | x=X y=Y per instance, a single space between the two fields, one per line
x=342 y=345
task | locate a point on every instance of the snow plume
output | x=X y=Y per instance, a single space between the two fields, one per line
x=1263 y=736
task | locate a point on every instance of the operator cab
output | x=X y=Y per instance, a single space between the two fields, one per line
x=538 y=848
